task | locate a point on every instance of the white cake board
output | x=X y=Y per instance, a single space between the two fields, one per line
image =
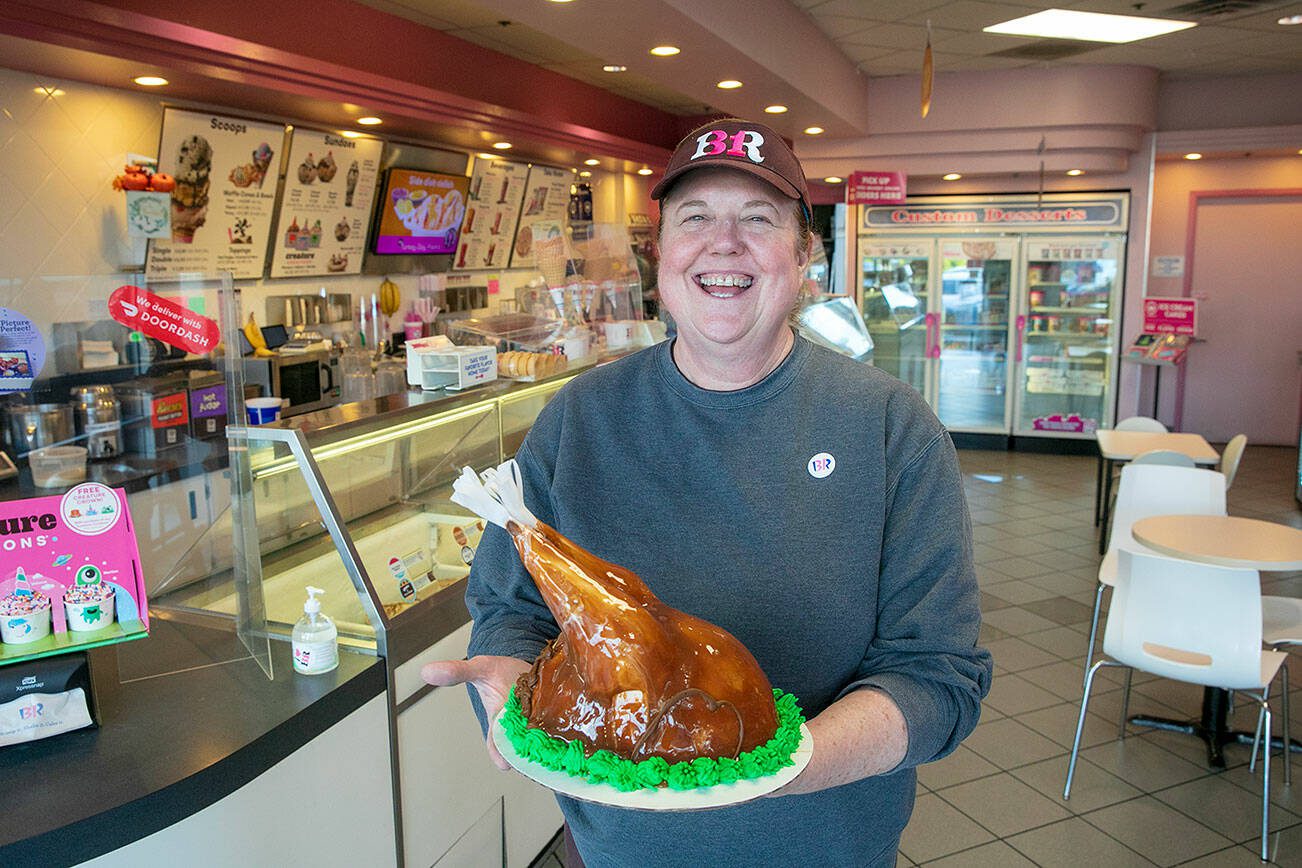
x=662 y=798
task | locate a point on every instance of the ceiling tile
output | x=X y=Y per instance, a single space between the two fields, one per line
x=877 y=10
x=897 y=36
x=966 y=15
x=1267 y=22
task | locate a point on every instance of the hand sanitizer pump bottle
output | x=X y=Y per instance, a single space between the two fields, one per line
x=315 y=639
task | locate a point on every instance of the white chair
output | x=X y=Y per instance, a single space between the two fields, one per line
x=1281 y=625
x=1165 y=457
x=1140 y=423
x=1147 y=490
x=1231 y=457
x=1190 y=622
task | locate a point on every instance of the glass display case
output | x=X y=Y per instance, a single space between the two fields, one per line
x=893 y=298
x=355 y=500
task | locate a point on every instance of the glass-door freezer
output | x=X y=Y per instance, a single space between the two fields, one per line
x=1067 y=335
x=971 y=351
x=895 y=293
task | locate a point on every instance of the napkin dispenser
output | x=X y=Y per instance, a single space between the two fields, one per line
x=44 y=697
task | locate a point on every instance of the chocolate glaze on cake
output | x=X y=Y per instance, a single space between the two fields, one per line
x=630 y=674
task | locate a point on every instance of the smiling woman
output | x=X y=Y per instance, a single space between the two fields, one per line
x=767 y=486
x=734 y=239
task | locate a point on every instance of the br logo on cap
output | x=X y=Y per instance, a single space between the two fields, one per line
x=745 y=143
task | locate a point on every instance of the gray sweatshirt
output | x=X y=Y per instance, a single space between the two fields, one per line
x=836 y=574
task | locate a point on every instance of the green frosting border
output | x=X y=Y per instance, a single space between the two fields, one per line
x=605 y=767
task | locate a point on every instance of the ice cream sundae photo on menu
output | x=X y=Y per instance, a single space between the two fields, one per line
x=307 y=170
x=326 y=169
x=190 y=195
x=351 y=183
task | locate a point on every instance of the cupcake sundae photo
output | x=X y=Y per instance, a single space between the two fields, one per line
x=88 y=604
x=24 y=613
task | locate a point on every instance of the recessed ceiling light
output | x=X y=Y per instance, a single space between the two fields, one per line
x=1193 y=156
x=775 y=109
x=644 y=171
x=1290 y=20
x=150 y=80
x=49 y=90
x=952 y=176
x=665 y=50
x=614 y=67
x=1075 y=172
x=728 y=84
x=486 y=156
x=585 y=174
x=561 y=1
x=369 y=121
x=502 y=146
x=1088 y=26
x=592 y=161
x=832 y=179
x=813 y=131
x=350 y=134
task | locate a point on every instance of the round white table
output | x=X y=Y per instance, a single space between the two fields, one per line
x=1224 y=540
x=1227 y=541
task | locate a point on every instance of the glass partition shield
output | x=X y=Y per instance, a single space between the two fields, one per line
x=972 y=381
x=894 y=298
x=123 y=384
x=519 y=410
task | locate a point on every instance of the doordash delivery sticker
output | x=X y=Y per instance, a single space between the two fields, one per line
x=164 y=319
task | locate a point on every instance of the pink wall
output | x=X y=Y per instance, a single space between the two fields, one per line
x=1251 y=101
x=1174 y=182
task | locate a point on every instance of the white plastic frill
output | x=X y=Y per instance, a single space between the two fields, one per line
x=496 y=495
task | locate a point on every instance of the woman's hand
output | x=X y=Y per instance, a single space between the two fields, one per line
x=492 y=678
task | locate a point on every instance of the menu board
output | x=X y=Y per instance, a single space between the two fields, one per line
x=225 y=194
x=326 y=208
x=421 y=212
x=492 y=213
x=546 y=196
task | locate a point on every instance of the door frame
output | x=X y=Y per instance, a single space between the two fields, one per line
x=1190 y=239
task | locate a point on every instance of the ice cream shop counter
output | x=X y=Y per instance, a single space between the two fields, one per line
x=205 y=729
x=197 y=750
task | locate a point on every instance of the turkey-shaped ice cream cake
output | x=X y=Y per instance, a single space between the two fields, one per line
x=627 y=673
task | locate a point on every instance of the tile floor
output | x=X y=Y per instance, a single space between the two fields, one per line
x=1148 y=799
x=1145 y=800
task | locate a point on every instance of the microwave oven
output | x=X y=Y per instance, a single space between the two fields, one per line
x=308 y=381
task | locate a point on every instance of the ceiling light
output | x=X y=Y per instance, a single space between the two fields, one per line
x=665 y=50
x=1075 y=172
x=813 y=131
x=592 y=161
x=1088 y=26
x=775 y=109
x=952 y=176
x=644 y=171
x=561 y=1
x=1193 y=156
x=728 y=84
x=585 y=174
x=150 y=80
x=614 y=67
x=832 y=179
x=369 y=121
x=502 y=146
x=49 y=90
x=350 y=134
x=483 y=156
x=1289 y=20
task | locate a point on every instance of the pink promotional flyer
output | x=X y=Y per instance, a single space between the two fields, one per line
x=70 y=575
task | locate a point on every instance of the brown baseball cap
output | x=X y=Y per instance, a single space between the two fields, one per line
x=738 y=144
